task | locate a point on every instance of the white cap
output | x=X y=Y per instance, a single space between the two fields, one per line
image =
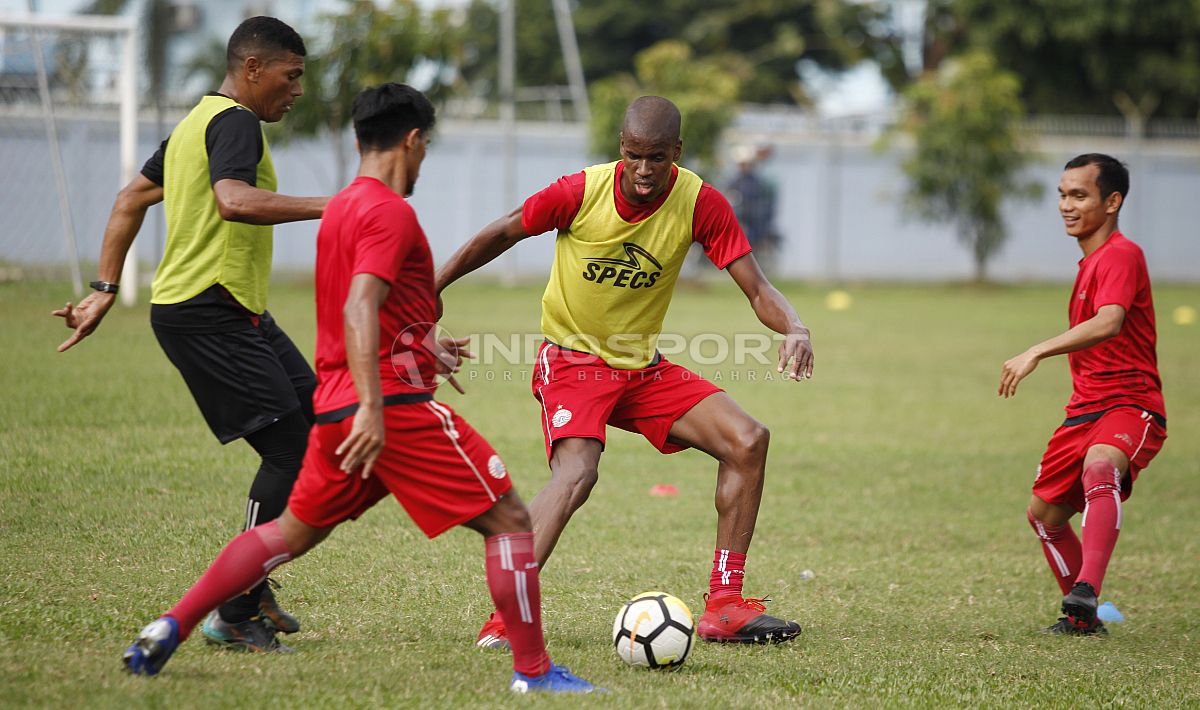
x=743 y=153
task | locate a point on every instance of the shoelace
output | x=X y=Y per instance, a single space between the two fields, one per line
x=748 y=602
x=755 y=604
x=565 y=674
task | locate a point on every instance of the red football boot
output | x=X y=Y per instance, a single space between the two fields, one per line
x=731 y=619
x=493 y=634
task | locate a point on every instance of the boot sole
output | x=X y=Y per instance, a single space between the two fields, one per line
x=244 y=647
x=495 y=644
x=761 y=639
x=1080 y=612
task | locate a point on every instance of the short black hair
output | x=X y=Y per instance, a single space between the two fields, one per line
x=384 y=115
x=258 y=35
x=1113 y=175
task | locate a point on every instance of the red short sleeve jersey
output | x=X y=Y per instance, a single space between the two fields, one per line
x=714 y=225
x=1124 y=368
x=369 y=229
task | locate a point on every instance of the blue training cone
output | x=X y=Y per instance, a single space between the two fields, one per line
x=1109 y=613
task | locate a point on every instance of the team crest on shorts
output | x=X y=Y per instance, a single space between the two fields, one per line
x=561 y=417
x=496 y=467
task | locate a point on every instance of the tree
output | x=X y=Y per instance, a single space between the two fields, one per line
x=769 y=35
x=1132 y=56
x=773 y=36
x=362 y=46
x=156 y=32
x=967 y=157
x=539 y=56
x=705 y=90
x=387 y=44
x=156 y=22
x=208 y=63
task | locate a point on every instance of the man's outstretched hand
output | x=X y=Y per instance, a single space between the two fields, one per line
x=449 y=354
x=796 y=357
x=85 y=317
x=1015 y=370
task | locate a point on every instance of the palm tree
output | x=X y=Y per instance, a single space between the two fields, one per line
x=363 y=45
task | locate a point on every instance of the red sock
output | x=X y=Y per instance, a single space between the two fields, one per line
x=1101 y=520
x=244 y=562
x=1062 y=549
x=512 y=579
x=728 y=570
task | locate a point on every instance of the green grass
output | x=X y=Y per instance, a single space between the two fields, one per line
x=896 y=475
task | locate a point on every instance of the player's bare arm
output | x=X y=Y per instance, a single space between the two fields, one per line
x=128 y=212
x=1105 y=324
x=775 y=312
x=491 y=241
x=362 y=446
x=239 y=201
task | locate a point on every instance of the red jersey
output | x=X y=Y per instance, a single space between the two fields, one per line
x=1124 y=368
x=714 y=225
x=369 y=229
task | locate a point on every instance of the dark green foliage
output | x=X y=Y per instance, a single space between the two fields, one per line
x=1078 y=57
x=967 y=158
x=705 y=90
x=770 y=36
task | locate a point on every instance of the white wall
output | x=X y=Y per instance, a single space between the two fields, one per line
x=840 y=209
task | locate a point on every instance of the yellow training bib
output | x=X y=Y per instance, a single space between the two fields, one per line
x=202 y=249
x=612 y=281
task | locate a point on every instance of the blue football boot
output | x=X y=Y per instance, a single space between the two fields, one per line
x=153 y=647
x=558 y=679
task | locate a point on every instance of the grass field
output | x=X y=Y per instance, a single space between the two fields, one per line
x=897 y=476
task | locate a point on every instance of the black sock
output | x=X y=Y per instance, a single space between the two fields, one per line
x=281 y=446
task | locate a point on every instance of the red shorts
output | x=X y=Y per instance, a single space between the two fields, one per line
x=580 y=394
x=439 y=468
x=1060 y=475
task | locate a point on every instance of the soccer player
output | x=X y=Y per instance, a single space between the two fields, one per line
x=379 y=430
x=209 y=296
x=624 y=229
x=1116 y=420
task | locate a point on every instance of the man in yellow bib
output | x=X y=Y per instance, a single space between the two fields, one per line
x=624 y=230
x=209 y=298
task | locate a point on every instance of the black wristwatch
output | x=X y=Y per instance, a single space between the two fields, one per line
x=105 y=287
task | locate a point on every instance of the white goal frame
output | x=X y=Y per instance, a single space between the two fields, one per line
x=125 y=29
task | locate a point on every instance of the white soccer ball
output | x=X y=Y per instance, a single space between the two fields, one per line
x=654 y=629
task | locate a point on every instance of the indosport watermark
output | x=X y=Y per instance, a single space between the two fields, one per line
x=731 y=357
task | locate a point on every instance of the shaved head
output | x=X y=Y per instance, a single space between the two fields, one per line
x=650 y=146
x=652 y=118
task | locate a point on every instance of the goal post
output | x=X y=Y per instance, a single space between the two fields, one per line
x=64 y=81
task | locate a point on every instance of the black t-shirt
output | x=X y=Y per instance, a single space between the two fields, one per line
x=234 y=144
